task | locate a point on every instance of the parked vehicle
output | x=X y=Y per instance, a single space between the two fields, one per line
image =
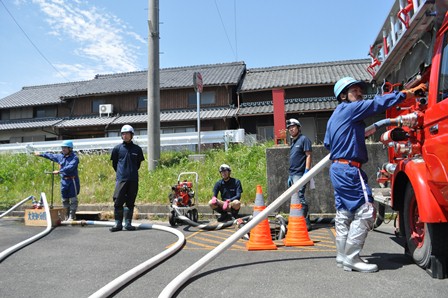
x=412 y=48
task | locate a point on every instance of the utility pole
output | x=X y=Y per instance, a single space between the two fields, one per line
x=153 y=85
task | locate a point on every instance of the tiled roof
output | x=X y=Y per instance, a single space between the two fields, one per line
x=312 y=104
x=170 y=78
x=182 y=77
x=291 y=105
x=109 y=84
x=303 y=105
x=179 y=77
x=212 y=75
x=256 y=108
x=165 y=116
x=178 y=115
x=23 y=124
x=38 y=95
x=131 y=118
x=206 y=114
x=310 y=74
x=85 y=121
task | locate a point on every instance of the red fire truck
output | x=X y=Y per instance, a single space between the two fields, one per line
x=412 y=48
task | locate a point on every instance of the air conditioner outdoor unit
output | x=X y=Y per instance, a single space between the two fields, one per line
x=106 y=109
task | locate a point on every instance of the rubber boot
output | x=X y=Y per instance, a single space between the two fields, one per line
x=234 y=213
x=73 y=208
x=128 y=220
x=307 y=218
x=340 y=248
x=71 y=215
x=67 y=213
x=224 y=215
x=352 y=260
x=118 y=215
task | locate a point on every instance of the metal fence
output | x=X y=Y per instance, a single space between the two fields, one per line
x=188 y=140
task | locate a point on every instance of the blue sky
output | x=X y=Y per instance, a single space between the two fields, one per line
x=74 y=40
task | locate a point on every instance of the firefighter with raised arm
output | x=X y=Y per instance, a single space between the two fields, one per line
x=345 y=138
x=68 y=170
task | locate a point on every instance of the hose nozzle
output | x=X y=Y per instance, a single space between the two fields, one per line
x=409 y=120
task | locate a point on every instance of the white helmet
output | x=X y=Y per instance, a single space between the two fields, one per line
x=292 y=122
x=127 y=128
x=224 y=167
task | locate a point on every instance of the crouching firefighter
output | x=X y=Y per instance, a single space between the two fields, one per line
x=126 y=159
x=230 y=189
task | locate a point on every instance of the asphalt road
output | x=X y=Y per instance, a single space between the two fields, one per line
x=75 y=261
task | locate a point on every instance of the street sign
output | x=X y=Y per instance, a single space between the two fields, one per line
x=197 y=82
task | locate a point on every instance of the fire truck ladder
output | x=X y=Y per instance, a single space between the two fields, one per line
x=408 y=20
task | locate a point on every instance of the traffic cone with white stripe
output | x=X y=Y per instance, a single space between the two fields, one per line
x=260 y=236
x=297 y=233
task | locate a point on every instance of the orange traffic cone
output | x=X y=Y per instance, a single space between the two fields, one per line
x=260 y=236
x=297 y=234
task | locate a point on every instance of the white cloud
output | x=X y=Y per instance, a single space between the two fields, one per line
x=78 y=72
x=100 y=36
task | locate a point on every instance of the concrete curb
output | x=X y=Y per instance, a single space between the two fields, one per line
x=105 y=212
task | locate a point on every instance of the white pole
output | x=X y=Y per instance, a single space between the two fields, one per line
x=198 y=109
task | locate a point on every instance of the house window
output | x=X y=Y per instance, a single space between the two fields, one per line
x=96 y=105
x=140 y=132
x=207 y=98
x=180 y=129
x=43 y=112
x=177 y=129
x=15 y=139
x=28 y=139
x=142 y=103
x=265 y=133
x=137 y=132
x=321 y=127
x=4 y=115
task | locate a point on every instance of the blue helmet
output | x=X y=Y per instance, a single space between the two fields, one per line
x=67 y=144
x=344 y=84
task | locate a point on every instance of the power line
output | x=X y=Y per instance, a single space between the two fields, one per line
x=32 y=43
x=225 y=31
x=234 y=20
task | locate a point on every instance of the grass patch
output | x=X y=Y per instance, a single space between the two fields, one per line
x=22 y=175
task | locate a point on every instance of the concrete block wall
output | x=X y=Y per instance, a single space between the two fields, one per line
x=321 y=199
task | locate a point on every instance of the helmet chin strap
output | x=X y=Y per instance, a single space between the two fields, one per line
x=346 y=97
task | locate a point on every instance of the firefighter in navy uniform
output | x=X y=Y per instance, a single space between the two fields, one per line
x=300 y=158
x=230 y=189
x=126 y=159
x=68 y=170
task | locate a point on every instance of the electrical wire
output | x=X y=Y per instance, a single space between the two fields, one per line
x=236 y=39
x=32 y=43
x=224 y=27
